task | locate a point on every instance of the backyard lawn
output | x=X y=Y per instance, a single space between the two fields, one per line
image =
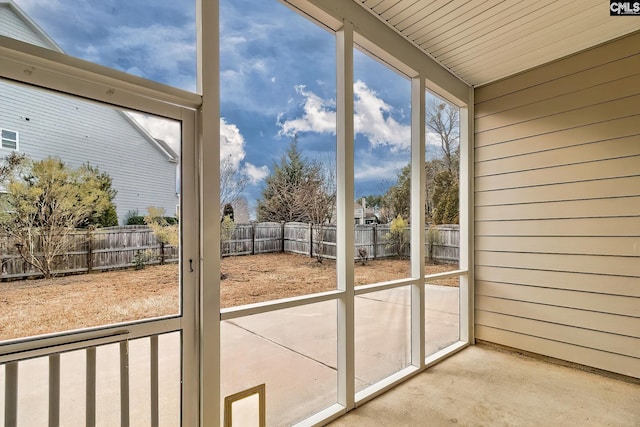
x=34 y=307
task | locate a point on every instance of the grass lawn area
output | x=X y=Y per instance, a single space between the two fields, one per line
x=34 y=307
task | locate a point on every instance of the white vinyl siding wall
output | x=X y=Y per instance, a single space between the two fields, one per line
x=80 y=132
x=12 y=26
x=557 y=209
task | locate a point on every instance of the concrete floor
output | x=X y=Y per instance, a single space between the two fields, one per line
x=483 y=386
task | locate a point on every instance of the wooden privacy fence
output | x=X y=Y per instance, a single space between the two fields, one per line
x=103 y=249
x=117 y=247
x=442 y=243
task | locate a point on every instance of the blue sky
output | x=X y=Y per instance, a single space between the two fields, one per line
x=277 y=79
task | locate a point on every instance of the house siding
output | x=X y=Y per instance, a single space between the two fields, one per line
x=557 y=209
x=79 y=132
x=12 y=26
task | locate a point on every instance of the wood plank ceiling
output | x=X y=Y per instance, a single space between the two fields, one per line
x=485 y=40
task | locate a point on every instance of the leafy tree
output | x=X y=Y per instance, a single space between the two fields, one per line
x=165 y=232
x=431 y=169
x=295 y=190
x=109 y=216
x=441 y=173
x=45 y=202
x=445 y=198
x=227 y=228
x=397 y=200
x=11 y=164
x=398 y=236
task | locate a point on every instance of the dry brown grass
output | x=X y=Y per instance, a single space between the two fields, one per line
x=34 y=307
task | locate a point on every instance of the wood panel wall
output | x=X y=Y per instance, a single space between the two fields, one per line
x=557 y=203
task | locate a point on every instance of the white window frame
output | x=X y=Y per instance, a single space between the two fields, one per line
x=344 y=295
x=16 y=140
x=56 y=72
x=201 y=316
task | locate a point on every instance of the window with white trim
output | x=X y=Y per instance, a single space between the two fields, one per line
x=9 y=139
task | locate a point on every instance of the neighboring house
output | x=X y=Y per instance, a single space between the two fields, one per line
x=364 y=215
x=43 y=124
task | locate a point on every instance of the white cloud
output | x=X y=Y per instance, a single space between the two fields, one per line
x=160 y=128
x=255 y=173
x=372 y=118
x=318 y=116
x=231 y=42
x=231 y=143
x=372 y=167
x=433 y=138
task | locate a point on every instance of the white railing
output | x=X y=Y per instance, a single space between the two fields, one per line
x=12 y=367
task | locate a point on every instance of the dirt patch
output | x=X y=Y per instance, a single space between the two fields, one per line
x=258 y=278
x=35 y=307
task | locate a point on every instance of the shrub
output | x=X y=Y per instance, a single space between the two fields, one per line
x=141 y=258
x=433 y=238
x=363 y=255
x=136 y=220
x=108 y=218
x=140 y=220
x=166 y=234
x=398 y=236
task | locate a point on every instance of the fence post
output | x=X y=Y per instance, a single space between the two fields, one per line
x=310 y=240
x=282 y=224
x=89 y=250
x=375 y=241
x=253 y=238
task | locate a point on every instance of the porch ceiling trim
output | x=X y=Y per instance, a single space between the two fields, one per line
x=482 y=41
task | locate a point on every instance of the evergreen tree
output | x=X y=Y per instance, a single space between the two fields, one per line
x=294 y=190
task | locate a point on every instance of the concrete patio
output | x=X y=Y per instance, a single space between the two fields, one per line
x=482 y=385
x=293 y=351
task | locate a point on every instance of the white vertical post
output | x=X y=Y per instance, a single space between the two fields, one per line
x=124 y=383
x=345 y=227
x=90 y=393
x=54 y=390
x=11 y=394
x=209 y=157
x=467 y=221
x=189 y=272
x=417 y=220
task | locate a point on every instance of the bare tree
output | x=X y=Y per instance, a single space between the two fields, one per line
x=232 y=182
x=321 y=200
x=443 y=119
